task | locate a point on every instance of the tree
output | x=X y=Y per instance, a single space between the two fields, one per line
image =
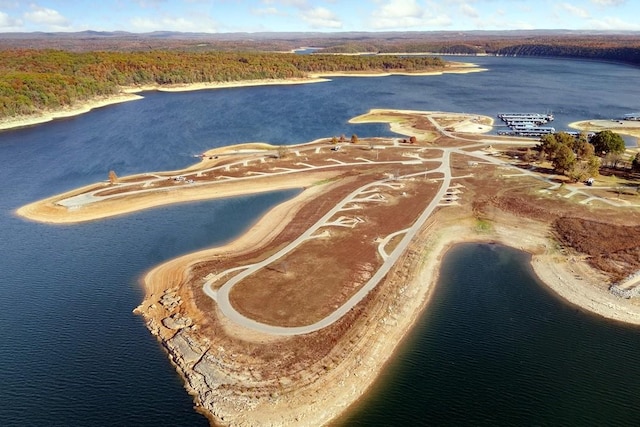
x=564 y=159
x=283 y=151
x=612 y=159
x=563 y=138
x=529 y=156
x=593 y=164
x=113 y=178
x=413 y=140
x=608 y=142
x=635 y=163
x=584 y=169
x=584 y=150
x=549 y=145
x=334 y=140
x=354 y=139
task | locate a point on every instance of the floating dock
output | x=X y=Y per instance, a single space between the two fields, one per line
x=536 y=117
x=527 y=124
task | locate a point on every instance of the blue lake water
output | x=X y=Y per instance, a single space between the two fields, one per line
x=72 y=352
x=495 y=348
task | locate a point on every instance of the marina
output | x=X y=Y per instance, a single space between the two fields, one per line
x=527 y=124
x=80 y=334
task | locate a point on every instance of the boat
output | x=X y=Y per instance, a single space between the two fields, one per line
x=546 y=117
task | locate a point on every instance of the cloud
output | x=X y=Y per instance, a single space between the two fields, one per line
x=402 y=14
x=574 y=10
x=8 y=23
x=266 y=11
x=608 y=2
x=148 y=3
x=468 y=10
x=45 y=16
x=612 y=24
x=320 y=17
x=399 y=9
x=205 y=25
x=298 y=4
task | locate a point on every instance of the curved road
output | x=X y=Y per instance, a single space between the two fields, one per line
x=221 y=296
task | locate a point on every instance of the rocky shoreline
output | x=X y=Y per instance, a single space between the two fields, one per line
x=234 y=386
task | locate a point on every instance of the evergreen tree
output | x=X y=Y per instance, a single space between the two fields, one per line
x=608 y=142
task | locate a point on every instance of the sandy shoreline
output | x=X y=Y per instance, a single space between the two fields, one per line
x=211 y=350
x=625 y=127
x=408 y=290
x=131 y=93
x=81 y=108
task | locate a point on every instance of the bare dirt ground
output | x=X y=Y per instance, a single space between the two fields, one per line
x=239 y=376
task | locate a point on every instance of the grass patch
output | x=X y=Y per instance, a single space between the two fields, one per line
x=483 y=226
x=325 y=181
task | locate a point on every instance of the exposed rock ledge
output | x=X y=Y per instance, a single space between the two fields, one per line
x=232 y=386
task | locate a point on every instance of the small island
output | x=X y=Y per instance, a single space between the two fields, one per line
x=292 y=322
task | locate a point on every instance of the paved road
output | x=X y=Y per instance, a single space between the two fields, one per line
x=222 y=294
x=93 y=196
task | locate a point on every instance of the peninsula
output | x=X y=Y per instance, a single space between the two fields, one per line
x=293 y=321
x=63 y=83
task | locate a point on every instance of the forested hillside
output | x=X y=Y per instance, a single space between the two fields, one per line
x=34 y=77
x=629 y=55
x=609 y=47
x=37 y=80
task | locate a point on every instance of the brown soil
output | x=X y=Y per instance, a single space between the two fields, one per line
x=243 y=377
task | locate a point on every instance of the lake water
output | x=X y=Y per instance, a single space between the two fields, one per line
x=72 y=352
x=495 y=347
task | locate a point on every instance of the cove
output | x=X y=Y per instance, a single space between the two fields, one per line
x=73 y=352
x=496 y=347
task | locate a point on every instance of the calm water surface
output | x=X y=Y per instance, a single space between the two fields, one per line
x=72 y=352
x=495 y=347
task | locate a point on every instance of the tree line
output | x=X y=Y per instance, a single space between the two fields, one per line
x=630 y=55
x=35 y=80
x=619 y=48
x=580 y=158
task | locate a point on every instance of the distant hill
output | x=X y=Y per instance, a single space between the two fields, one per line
x=588 y=44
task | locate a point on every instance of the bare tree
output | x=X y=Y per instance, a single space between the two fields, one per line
x=283 y=151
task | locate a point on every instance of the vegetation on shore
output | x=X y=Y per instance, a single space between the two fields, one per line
x=580 y=158
x=608 y=47
x=32 y=81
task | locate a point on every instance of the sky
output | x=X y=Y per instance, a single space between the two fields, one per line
x=223 y=16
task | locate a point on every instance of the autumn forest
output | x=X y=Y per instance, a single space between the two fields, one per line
x=32 y=81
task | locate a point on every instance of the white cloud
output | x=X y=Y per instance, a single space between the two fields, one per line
x=265 y=11
x=299 y=4
x=574 y=10
x=173 y=24
x=468 y=10
x=9 y=23
x=400 y=9
x=45 y=16
x=148 y=3
x=608 y=2
x=320 y=17
x=612 y=24
x=403 y=14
